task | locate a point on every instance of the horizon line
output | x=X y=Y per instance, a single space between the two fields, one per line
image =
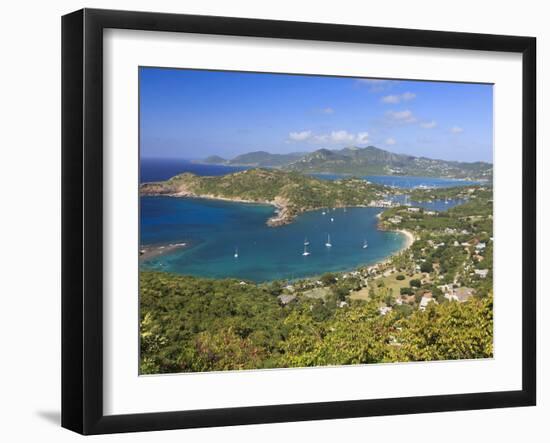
x=314 y=150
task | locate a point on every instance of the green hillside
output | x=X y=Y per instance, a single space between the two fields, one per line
x=291 y=191
x=374 y=161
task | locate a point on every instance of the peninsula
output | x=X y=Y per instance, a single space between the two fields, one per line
x=291 y=193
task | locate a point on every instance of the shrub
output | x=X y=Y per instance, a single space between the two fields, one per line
x=328 y=279
x=426 y=267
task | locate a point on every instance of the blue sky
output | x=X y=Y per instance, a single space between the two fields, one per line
x=193 y=114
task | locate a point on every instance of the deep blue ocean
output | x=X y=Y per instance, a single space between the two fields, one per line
x=157 y=169
x=215 y=230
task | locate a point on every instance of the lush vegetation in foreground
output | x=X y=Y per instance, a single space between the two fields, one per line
x=190 y=324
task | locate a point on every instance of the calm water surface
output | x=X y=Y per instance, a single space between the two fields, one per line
x=217 y=229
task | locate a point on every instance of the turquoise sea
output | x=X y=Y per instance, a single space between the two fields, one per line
x=216 y=230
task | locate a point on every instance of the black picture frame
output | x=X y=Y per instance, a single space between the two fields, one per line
x=82 y=218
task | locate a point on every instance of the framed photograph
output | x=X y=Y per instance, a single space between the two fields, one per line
x=269 y=221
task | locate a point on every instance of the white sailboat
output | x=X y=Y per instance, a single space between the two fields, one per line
x=328 y=244
x=365 y=244
x=331 y=219
x=305 y=253
x=236 y=254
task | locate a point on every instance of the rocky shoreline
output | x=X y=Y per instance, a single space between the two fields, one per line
x=151 y=251
x=283 y=214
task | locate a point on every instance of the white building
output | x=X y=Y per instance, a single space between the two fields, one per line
x=480 y=246
x=482 y=273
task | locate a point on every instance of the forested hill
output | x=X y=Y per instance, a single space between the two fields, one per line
x=374 y=161
x=290 y=191
x=361 y=161
x=260 y=159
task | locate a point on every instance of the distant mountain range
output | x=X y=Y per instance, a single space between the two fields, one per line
x=360 y=161
x=261 y=159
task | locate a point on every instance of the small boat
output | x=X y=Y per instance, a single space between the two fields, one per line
x=328 y=244
x=365 y=244
x=331 y=219
x=305 y=253
x=236 y=254
x=446 y=201
x=306 y=242
x=324 y=213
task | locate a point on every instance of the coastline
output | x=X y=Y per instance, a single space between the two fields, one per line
x=409 y=239
x=281 y=217
x=409 y=236
x=284 y=213
x=148 y=252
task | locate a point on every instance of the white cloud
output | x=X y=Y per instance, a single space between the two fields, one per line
x=456 y=130
x=398 y=98
x=429 y=125
x=362 y=138
x=390 y=99
x=327 y=111
x=299 y=136
x=390 y=141
x=340 y=137
x=402 y=116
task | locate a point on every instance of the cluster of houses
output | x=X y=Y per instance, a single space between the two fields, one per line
x=395 y=220
x=382 y=203
x=459 y=294
x=452 y=292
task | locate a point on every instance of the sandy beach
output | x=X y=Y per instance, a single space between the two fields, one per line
x=409 y=238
